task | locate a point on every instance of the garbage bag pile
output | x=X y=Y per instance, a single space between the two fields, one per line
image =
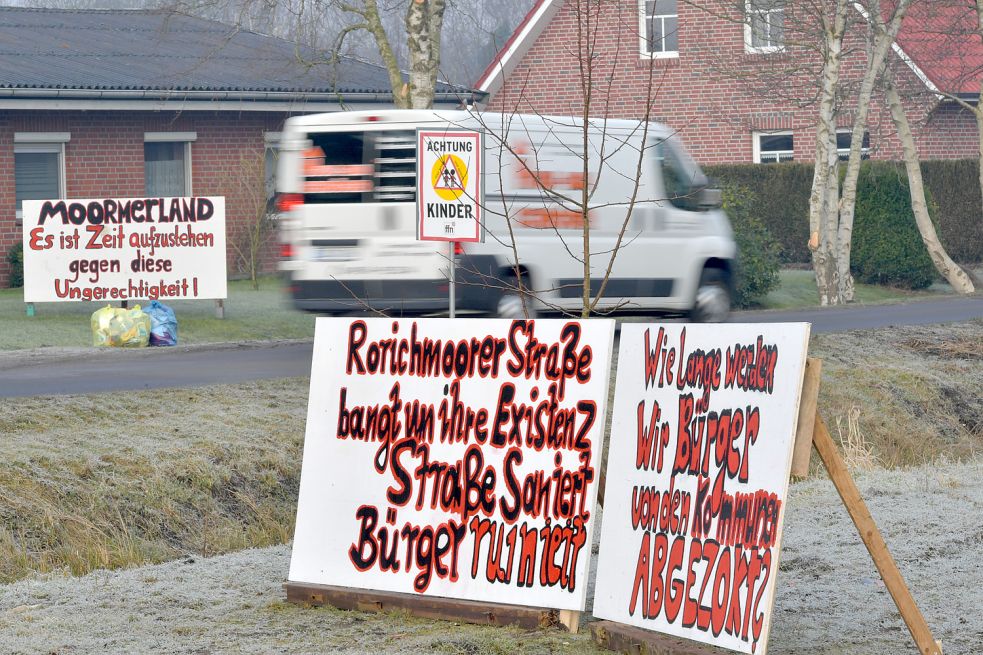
x=134 y=328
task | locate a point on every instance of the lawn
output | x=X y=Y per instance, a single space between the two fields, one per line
x=249 y=315
x=267 y=314
x=797 y=290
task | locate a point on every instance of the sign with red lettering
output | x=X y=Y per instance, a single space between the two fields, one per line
x=116 y=249
x=449 y=185
x=702 y=434
x=453 y=458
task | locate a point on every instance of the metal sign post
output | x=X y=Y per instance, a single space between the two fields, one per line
x=453 y=266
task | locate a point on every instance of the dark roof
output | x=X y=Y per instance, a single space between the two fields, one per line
x=156 y=50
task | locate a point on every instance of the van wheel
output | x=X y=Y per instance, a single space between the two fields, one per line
x=510 y=304
x=712 y=302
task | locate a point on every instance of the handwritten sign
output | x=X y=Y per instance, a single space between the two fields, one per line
x=453 y=458
x=702 y=435
x=115 y=249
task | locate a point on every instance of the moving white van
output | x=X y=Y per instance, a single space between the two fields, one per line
x=347 y=190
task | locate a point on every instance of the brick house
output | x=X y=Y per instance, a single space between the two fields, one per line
x=736 y=78
x=128 y=103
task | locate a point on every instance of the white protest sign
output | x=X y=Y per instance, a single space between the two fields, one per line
x=453 y=458
x=450 y=188
x=115 y=249
x=702 y=432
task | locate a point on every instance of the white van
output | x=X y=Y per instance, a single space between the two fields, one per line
x=347 y=186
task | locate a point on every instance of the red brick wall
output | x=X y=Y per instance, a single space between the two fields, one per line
x=714 y=93
x=104 y=158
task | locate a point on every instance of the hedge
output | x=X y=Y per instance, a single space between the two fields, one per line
x=781 y=199
x=887 y=248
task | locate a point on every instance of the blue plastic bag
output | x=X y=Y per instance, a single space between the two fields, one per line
x=163 y=324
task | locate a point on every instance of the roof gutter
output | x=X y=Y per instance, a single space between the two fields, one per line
x=210 y=96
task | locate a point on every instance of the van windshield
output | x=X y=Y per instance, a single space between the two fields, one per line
x=681 y=175
x=360 y=167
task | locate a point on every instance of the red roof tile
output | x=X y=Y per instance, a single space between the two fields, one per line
x=942 y=38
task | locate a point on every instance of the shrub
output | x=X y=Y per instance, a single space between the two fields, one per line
x=15 y=257
x=887 y=248
x=955 y=187
x=757 y=252
x=779 y=198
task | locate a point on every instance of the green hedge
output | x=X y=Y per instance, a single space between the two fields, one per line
x=781 y=200
x=955 y=189
x=757 y=250
x=887 y=248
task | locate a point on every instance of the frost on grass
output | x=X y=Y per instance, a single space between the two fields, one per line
x=904 y=396
x=116 y=480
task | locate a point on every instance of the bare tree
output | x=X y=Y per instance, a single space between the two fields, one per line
x=257 y=226
x=571 y=201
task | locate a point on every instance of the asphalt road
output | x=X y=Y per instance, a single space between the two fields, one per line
x=92 y=370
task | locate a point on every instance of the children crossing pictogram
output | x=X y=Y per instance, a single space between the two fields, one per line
x=449 y=176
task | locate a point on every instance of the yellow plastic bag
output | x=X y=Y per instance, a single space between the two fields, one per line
x=116 y=326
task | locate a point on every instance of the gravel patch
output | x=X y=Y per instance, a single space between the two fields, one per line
x=830 y=597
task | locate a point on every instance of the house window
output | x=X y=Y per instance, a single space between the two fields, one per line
x=271 y=156
x=659 y=28
x=773 y=147
x=764 y=25
x=39 y=166
x=843 y=140
x=167 y=163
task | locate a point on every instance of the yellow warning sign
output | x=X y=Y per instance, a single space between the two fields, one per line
x=449 y=177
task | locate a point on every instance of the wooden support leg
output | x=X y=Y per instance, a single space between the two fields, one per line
x=872 y=538
x=807 y=418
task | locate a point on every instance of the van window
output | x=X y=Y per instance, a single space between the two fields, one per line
x=360 y=167
x=681 y=176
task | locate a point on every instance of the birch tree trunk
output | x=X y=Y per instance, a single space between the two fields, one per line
x=884 y=36
x=823 y=199
x=424 y=19
x=953 y=274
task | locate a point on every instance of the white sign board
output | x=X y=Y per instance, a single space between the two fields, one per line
x=697 y=478
x=450 y=188
x=453 y=458
x=116 y=249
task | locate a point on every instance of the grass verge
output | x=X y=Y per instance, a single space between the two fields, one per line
x=797 y=290
x=251 y=314
x=118 y=480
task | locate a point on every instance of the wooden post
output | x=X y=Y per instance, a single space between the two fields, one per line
x=873 y=540
x=220 y=309
x=807 y=418
x=628 y=639
x=430 y=607
x=570 y=619
x=30 y=309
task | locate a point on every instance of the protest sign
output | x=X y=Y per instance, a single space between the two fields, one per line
x=116 y=249
x=702 y=429
x=453 y=458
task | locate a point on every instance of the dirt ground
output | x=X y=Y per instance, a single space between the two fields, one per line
x=830 y=598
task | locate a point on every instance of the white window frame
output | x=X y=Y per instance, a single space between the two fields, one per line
x=42 y=142
x=756 y=144
x=643 y=50
x=187 y=138
x=844 y=153
x=748 y=39
x=271 y=141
